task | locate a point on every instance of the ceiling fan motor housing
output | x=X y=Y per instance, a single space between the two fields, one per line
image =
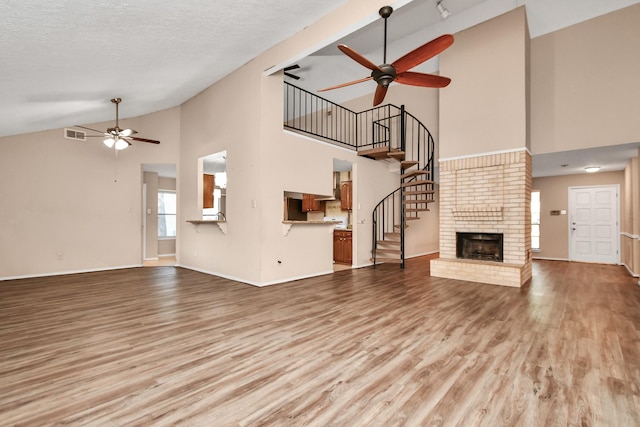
x=384 y=75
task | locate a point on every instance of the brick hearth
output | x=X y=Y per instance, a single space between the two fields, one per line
x=486 y=194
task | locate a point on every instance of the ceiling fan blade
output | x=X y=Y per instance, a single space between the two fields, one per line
x=422 y=79
x=127 y=132
x=93 y=130
x=135 y=138
x=345 y=84
x=381 y=91
x=358 y=58
x=421 y=54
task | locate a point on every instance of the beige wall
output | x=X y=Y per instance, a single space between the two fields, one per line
x=76 y=198
x=585 y=85
x=484 y=109
x=554 y=195
x=151 y=216
x=263 y=161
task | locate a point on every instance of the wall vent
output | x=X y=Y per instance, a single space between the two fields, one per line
x=77 y=135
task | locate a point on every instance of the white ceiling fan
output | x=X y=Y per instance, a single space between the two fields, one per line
x=116 y=136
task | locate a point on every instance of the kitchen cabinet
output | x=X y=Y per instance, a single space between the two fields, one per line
x=208 y=184
x=310 y=203
x=346 y=201
x=342 y=246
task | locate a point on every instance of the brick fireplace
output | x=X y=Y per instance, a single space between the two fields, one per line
x=487 y=195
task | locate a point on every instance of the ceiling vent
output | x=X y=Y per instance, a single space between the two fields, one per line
x=77 y=135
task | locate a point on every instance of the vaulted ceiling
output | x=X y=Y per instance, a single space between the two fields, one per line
x=63 y=61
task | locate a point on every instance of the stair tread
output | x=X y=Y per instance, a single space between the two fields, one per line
x=396 y=154
x=374 y=153
x=417 y=192
x=418 y=210
x=408 y=163
x=388 y=251
x=414 y=173
x=417 y=201
x=380 y=260
x=417 y=182
x=389 y=242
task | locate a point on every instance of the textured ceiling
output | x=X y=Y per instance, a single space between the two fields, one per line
x=63 y=61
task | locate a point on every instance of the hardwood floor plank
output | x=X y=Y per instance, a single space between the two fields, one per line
x=379 y=346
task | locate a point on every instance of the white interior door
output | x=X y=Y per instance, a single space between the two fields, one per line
x=593 y=224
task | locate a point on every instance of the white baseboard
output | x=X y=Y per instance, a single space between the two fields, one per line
x=250 y=282
x=550 y=259
x=60 y=273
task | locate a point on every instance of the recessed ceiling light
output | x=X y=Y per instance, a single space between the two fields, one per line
x=592 y=169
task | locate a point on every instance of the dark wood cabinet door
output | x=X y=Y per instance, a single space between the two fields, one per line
x=342 y=247
x=338 y=254
x=309 y=203
x=347 y=248
x=346 y=196
x=208 y=184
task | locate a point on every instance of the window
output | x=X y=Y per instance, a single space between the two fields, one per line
x=535 y=220
x=166 y=214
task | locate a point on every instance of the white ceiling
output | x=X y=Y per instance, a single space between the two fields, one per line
x=63 y=61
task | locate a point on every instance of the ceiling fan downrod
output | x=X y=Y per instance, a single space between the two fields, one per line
x=116 y=101
x=385 y=12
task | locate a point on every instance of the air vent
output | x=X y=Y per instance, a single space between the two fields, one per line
x=77 y=135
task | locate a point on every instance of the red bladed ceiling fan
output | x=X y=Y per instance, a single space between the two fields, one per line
x=398 y=71
x=116 y=136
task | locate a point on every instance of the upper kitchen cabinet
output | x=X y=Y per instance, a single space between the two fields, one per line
x=310 y=203
x=346 y=200
x=208 y=184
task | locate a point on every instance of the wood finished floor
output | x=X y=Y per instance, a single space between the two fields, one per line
x=364 y=347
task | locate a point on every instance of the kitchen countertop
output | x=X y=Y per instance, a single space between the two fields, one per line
x=317 y=222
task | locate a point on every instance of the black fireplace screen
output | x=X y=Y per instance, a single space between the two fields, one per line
x=479 y=246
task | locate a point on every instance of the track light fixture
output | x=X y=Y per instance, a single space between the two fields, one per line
x=444 y=12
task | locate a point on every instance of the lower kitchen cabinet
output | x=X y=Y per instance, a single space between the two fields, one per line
x=342 y=246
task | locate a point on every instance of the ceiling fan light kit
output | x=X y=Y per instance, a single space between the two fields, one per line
x=398 y=71
x=115 y=137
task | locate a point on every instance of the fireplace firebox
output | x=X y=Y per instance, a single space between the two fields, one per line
x=479 y=246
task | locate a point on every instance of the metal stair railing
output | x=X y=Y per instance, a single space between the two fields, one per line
x=383 y=126
x=390 y=214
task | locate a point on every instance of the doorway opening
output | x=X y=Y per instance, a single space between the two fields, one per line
x=159 y=214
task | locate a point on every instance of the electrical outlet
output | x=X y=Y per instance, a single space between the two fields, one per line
x=60 y=256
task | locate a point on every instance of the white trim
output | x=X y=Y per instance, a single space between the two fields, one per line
x=422 y=254
x=165 y=255
x=545 y=258
x=144 y=219
x=331 y=39
x=61 y=273
x=250 y=282
x=151 y=259
x=631 y=271
x=629 y=235
x=489 y=153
